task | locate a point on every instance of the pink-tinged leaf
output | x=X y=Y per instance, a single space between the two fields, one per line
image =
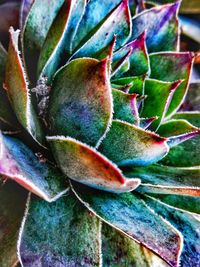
x=9 y=16
x=118 y=23
x=59 y=234
x=168 y=180
x=125 y=107
x=81 y=101
x=136 y=53
x=146 y=122
x=19 y=163
x=170 y=67
x=187 y=224
x=57 y=47
x=126 y=144
x=87 y=166
x=18 y=92
x=161 y=25
x=25 y=8
x=159 y=95
x=131 y=216
x=12 y=206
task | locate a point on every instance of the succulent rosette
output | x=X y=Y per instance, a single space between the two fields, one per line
x=92 y=126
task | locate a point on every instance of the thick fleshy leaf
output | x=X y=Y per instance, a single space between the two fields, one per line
x=58 y=46
x=159 y=95
x=117 y=23
x=125 y=107
x=95 y=13
x=12 y=206
x=119 y=250
x=59 y=234
x=19 y=163
x=137 y=84
x=7 y=118
x=188 y=203
x=146 y=122
x=81 y=101
x=137 y=56
x=129 y=214
x=18 y=92
x=25 y=8
x=167 y=180
x=85 y=165
x=126 y=144
x=192 y=100
x=171 y=67
x=161 y=25
x=187 y=224
x=185 y=154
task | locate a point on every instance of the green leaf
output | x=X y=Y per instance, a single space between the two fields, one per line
x=56 y=234
x=18 y=92
x=19 y=163
x=95 y=14
x=161 y=25
x=170 y=67
x=167 y=180
x=187 y=224
x=126 y=144
x=13 y=200
x=129 y=214
x=185 y=154
x=125 y=107
x=118 y=23
x=146 y=122
x=136 y=53
x=159 y=95
x=81 y=101
x=85 y=165
x=57 y=46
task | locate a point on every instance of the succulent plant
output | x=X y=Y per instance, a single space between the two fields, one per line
x=92 y=125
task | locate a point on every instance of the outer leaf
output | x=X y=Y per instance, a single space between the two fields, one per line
x=172 y=66
x=168 y=180
x=85 y=165
x=137 y=55
x=50 y=234
x=18 y=92
x=19 y=163
x=57 y=46
x=118 y=23
x=125 y=107
x=162 y=27
x=129 y=214
x=127 y=144
x=187 y=153
x=188 y=225
x=81 y=102
x=159 y=95
x=12 y=199
x=95 y=13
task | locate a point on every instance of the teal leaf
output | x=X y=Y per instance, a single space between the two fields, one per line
x=170 y=67
x=126 y=144
x=56 y=234
x=159 y=95
x=20 y=164
x=13 y=200
x=187 y=224
x=136 y=53
x=24 y=10
x=118 y=23
x=129 y=214
x=81 y=101
x=167 y=180
x=85 y=165
x=125 y=107
x=16 y=85
x=161 y=25
x=185 y=154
